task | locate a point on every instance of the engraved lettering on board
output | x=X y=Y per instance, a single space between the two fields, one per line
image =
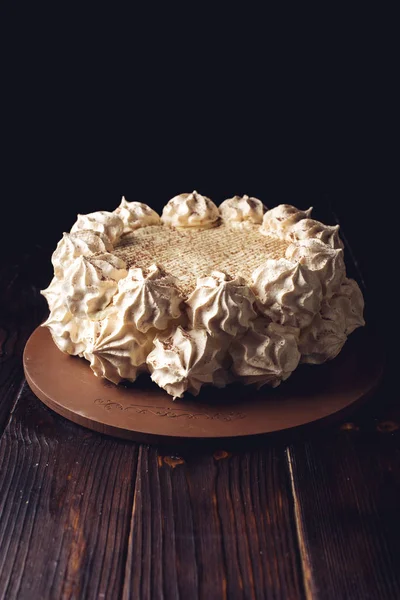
x=170 y=413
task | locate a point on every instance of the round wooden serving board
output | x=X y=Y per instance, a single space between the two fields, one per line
x=143 y=412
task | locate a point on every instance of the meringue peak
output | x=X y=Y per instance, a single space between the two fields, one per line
x=183 y=360
x=287 y=292
x=240 y=211
x=135 y=215
x=102 y=221
x=149 y=299
x=221 y=304
x=190 y=210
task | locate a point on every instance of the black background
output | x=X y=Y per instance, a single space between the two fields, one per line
x=100 y=105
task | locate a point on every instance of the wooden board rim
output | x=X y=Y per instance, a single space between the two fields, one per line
x=312 y=396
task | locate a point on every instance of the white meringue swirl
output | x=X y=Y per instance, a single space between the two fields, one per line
x=148 y=299
x=312 y=229
x=240 y=211
x=135 y=215
x=279 y=220
x=81 y=243
x=324 y=338
x=190 y=210
x=349 y=303
x=53 y=293
x=70 y=334
x=221 y=304
x=90 y=283
x=102 y=221
x=326 y=262
x=119 y=351
x=267 y=354
x=65 y=331
x=340 y=315
x=288 y=293
x=183 y=361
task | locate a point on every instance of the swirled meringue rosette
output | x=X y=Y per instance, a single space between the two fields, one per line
x=78 y=299
x=101 y=221
x=322 y=340
x=70 y=333
x=280 y=220
x=184 y=360
x=90 y=283
x=242 y=211
x=340 y=315
x=349 y=303
x=266 y=355
x=294 y=225
x=309 y=229
x=221 y=305
x=135 y=215
x=190 y=210
x=53 y=293
x=119 y=350
x=287 y=292
x=83 y=242
x=326 y=262
x=148 y=299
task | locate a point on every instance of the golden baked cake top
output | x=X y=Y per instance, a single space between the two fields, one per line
x=190 y=254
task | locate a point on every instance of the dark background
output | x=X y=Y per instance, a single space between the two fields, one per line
x=100 y=105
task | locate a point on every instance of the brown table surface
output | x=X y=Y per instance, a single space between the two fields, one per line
x=86 y=516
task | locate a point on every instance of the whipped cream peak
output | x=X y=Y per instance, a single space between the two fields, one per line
x=102 y=221
x=240 y=211
x=80 y=243
x=267 y=354
x=184 y=360
x=326 y=262
x=221 y=304
x=149 y=299
x=118 y=351
x=90 y=283
x=279 y=220
x=287 y=292
x=135 y=215
x=190 y=210
x=312 y=229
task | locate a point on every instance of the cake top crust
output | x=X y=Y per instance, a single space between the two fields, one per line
x=188 y=254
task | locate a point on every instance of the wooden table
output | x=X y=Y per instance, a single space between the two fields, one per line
x=86 y=516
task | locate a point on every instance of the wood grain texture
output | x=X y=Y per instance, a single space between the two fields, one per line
x=85 y=516
x=347 y=494
x=65 y=506
x=212 y=527
x=21 y=310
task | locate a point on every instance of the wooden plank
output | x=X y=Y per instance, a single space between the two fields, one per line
x=65 y=506
x=213 y=526
x=347 y=500
x=21 y=310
